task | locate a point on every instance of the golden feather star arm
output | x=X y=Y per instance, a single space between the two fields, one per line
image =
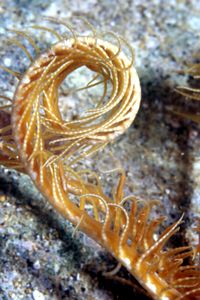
x=37 y=140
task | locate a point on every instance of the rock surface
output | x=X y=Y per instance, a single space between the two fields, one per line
x=40 y=258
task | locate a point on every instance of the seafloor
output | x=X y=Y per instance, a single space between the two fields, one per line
x=40 y=258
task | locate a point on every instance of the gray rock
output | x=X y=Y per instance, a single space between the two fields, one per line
x=39 y=258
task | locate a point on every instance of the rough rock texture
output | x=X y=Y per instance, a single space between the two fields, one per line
x=40 y=259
